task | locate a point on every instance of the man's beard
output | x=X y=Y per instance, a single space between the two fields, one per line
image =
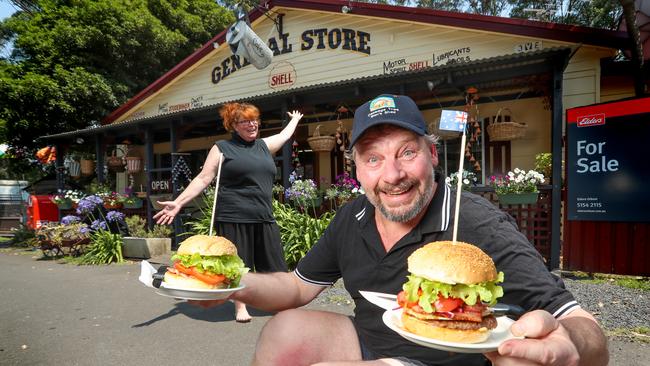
x=421 y=200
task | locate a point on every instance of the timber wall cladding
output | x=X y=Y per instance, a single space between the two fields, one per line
x=394 y=46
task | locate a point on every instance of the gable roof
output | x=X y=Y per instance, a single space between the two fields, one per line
x=551 y=31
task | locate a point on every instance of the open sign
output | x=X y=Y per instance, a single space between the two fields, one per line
x=160 y=185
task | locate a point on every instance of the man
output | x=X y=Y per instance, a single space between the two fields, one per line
x=368 y=242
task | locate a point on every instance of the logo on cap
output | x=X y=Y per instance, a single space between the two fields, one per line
x=382 y=102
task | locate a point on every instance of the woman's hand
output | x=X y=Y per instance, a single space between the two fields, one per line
x=295 y=115
x=167 y=214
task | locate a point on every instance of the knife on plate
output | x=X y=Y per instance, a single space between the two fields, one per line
x=389 y=302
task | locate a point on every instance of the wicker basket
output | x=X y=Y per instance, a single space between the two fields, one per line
x=133 y=164
x=87 y=167
x=442 y=134
x=320 y=143
x=115 y=163
x=501 y=130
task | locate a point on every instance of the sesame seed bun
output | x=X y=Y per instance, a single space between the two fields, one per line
x=207 y=246
x=449 y=262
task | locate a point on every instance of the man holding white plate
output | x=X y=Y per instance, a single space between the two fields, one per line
x=406 y=206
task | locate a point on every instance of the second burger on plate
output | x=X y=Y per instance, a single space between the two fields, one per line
x=447 y=293
x=205 y=262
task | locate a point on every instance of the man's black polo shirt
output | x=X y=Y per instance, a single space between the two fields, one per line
x=351 y=249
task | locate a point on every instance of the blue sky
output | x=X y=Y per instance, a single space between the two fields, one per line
x=6 y=8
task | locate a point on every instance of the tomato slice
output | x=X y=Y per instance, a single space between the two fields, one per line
x=212 y=279
x=402 y=300
x=447 y=303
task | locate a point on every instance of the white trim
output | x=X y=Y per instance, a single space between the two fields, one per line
x=566 y=309
x=311 y=282
x=360 y=214
x=445 y=210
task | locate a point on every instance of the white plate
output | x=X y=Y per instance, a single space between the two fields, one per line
x=196 y=294
x=393 y=319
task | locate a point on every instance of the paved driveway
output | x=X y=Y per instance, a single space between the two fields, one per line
x=61 y=314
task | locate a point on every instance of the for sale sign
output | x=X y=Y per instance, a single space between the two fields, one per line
x=608 y=161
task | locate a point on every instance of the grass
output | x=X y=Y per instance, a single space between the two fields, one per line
x=633 y=282
x=640 y=334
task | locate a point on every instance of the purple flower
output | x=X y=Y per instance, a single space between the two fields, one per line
x=70 y=219
x=99 y=225
x=88 y=204
x=114 y=216
x=84 y=230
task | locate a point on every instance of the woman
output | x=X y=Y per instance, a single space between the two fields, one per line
x=244 y=211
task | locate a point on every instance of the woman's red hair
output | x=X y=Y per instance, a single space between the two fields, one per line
x=232 y=113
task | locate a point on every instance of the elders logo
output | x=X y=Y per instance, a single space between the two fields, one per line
x=591 y=120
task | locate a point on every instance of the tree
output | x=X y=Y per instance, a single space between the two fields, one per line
x=74 y=62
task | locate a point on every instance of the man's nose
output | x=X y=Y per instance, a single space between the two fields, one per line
x=393 y=171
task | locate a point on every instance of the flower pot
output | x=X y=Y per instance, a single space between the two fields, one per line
x=134 y=204
x=114 y=206
x=87 y=167
x=518 y=198
x=74 y=168
x=145 y=248
x=65 y=205
x=133 y=164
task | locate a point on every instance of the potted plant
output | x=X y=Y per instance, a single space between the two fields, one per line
x=544 y=164
x=303 y=193
x=87 y=162
x=143 y=243
x=132 y=202
x=61 y=201
x=518 y=187
x=344 y=189
x=469 y=180
x=112 y=200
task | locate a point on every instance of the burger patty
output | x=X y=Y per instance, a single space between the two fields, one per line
x=489 y=322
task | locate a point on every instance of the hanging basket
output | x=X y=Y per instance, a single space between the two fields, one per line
x=87 y=167
x=133 y=164
x=501 y=130
x=74 y=169
x=442 y=134
x=320 y=143
x=115 y=163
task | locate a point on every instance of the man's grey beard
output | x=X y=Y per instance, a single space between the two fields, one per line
x=420 y=204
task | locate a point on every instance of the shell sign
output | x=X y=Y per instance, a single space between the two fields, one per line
x=282 y=75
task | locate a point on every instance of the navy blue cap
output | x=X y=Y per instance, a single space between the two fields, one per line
x=398 y=110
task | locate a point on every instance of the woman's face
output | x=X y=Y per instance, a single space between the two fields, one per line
x=247 y=129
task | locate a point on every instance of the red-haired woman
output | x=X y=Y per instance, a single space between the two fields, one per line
x=244 y=212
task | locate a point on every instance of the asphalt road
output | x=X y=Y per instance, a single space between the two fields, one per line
x=62 y=314
x=53 y=313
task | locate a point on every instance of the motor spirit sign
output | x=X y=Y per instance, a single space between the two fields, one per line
x=607 y=161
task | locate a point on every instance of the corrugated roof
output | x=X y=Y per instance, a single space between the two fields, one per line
x=491 y=64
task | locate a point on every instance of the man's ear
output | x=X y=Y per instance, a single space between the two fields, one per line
x=434 y=155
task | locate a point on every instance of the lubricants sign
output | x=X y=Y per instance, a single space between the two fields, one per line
x=608 y=161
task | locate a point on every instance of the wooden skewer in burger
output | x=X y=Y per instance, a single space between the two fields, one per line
x=206 y=261
x=450 y=284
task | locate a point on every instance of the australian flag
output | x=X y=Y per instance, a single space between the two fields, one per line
x=453 y=120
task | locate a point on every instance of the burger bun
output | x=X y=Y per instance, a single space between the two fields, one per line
x=452 y=262
x=207 y=246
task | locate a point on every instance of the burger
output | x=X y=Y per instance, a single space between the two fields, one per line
x=448 y=292
x=205 y=262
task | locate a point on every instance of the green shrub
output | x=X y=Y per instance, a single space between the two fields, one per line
x=138 y=228
x=23 y=236
x=201 y=225
x=104 y=248
x=298 y=231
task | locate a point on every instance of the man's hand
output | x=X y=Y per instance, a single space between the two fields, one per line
x=547 y=343
x=167 y=214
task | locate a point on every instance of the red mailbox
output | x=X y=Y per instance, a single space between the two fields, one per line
x=41 y=211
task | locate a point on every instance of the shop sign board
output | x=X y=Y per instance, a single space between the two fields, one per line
x=607 y=161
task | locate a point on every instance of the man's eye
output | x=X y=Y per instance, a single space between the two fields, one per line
x=408 y=154
x=373 y=160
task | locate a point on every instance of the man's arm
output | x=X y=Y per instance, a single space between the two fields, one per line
x=574 y=339
x=271 y=292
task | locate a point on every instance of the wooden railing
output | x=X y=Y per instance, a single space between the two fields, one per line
x=534 y=221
